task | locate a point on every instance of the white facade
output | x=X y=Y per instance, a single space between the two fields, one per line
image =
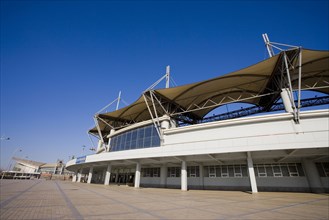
x=274 y=142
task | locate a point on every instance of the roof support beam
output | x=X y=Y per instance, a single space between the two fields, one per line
x=296 y=117
x=221 y=103
x=156 y=160
x=131 y=161
x=177 y=106
x=299 y=82
x=157 y=126
x=321 y=157
x=181 y=159
x=99 y=130
x=289 y=153
x=214 y=158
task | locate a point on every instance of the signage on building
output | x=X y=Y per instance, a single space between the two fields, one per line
x=80 y=159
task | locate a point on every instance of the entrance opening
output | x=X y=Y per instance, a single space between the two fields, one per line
x=123 y=178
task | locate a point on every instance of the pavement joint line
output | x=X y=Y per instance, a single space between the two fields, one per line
x=174 y=202
x=9 y=184
x=7 y=201
x=95 y=201
x=255 y=210
x=76 y=214
x=126 y=204
x=278 y=208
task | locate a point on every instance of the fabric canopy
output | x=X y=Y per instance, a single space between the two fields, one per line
x=249 y=85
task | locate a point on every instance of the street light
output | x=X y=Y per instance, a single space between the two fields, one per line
x=5 y=138
x=11 y=159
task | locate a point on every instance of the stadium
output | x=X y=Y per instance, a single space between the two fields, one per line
x=170 y=138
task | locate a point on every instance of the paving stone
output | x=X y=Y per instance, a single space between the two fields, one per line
x=41 y=199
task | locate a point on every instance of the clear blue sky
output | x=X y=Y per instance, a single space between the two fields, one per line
x=62 y=61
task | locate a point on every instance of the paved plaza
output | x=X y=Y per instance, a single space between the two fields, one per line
x=41 y=199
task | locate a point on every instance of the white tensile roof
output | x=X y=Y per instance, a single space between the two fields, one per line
x=259 y=84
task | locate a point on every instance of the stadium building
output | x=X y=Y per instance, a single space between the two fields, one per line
x=167 y=139
x=28 y=169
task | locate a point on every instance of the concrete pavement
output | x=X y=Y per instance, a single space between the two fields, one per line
x=41 y=199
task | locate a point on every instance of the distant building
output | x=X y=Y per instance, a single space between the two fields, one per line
x=25 y=169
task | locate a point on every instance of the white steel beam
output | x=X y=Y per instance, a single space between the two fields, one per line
x=290 y=153
x=152 y=117
x=98 y=129
x=214 y=158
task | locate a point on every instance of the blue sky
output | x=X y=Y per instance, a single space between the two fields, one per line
x=62 y=61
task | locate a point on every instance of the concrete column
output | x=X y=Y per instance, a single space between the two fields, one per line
x=74 y=177
x=184 y=176
x=251 y=174
x=108 y=174
x=163 y=176
x=201 y=176
x=285 y=96
x=79 y=176
x=312 y=175
x=138 y=175
x=90 y=174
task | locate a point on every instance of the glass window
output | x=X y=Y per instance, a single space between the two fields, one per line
x=113 y=143
x=300 y=169
x=148 y=131
x=269 y=170
x=212 y=171
x=206 y=171
x=173 y=172
x=121 y=142
x=133 y=143
x=320 y=169
x=261 y=170
x=156 y=172
x=218 y=171
x=284 y=169
x=244 y=170
x=193 y=171
x=155 y=141
x=139 y=138
x=325 y=168
x=224 y=171
x=277 y=170
x=147 y=142
x=151 y=172
x=237 y=171
x=293 y=170
x=128 y=140
x=178 y=171
x=231 y=171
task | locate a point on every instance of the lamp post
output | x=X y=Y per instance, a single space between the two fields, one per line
x=11 y=159
x=5 y=138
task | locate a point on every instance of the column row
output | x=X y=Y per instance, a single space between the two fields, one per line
x=310 y=169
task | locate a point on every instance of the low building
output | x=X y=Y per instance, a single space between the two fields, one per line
x=26 y=169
